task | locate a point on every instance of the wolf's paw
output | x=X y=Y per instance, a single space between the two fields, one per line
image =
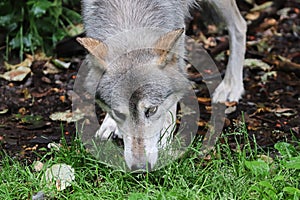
x=228 y=91
x=107 y=129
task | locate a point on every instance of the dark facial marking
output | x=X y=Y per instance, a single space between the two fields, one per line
x=155 y=94
x=133 y=103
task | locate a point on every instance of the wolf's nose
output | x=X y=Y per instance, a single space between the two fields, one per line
x=141 y=166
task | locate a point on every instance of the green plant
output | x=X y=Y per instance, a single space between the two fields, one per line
x=35 y=24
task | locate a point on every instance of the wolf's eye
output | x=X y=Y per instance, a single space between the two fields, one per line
x=150 y=111
x=118 y=115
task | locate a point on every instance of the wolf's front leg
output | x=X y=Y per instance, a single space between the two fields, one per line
x=107 y=129
x=231 y=88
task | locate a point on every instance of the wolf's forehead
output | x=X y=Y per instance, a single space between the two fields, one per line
x=153 y=94
x=136 y=57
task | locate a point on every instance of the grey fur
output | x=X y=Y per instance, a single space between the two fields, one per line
x=131 y=78
x=107 y=20
x=110 y=17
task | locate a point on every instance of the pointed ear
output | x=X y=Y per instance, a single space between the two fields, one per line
x=165 y=43
x=95 y=47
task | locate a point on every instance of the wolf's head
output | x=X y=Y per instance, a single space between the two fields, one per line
x=139 y=89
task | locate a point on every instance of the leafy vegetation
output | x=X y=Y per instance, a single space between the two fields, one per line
x=37 y=24
x=245 y=173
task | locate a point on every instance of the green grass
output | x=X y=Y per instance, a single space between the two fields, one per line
x=238 y=174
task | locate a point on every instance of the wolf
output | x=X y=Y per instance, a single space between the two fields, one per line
x=137 y=71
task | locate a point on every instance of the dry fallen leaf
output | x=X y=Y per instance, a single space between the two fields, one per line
x=287 y=112
x=252 y=16
x=262 y=6
x=38 y=166
x=230 y=110
x=61 y=64
x=266 y=159
x=67 y=116
x=267 y=75
x=54 y=146
x=203 y=100
x=61 y=174
x=17 y=74
x=26 y=63
x=256 y=63
x=284 y=13
x=49 y=68
x=231 y=103
x=3 y=109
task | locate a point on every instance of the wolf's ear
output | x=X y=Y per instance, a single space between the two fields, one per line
x=165 y=43
x=95 y=47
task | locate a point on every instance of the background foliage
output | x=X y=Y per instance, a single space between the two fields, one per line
x=37 y=24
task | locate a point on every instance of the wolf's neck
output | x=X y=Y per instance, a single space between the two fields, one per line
x=107 y=18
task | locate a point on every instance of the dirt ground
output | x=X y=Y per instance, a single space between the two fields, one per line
x=270 y=106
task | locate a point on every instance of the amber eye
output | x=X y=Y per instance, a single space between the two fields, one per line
x=150 y=111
